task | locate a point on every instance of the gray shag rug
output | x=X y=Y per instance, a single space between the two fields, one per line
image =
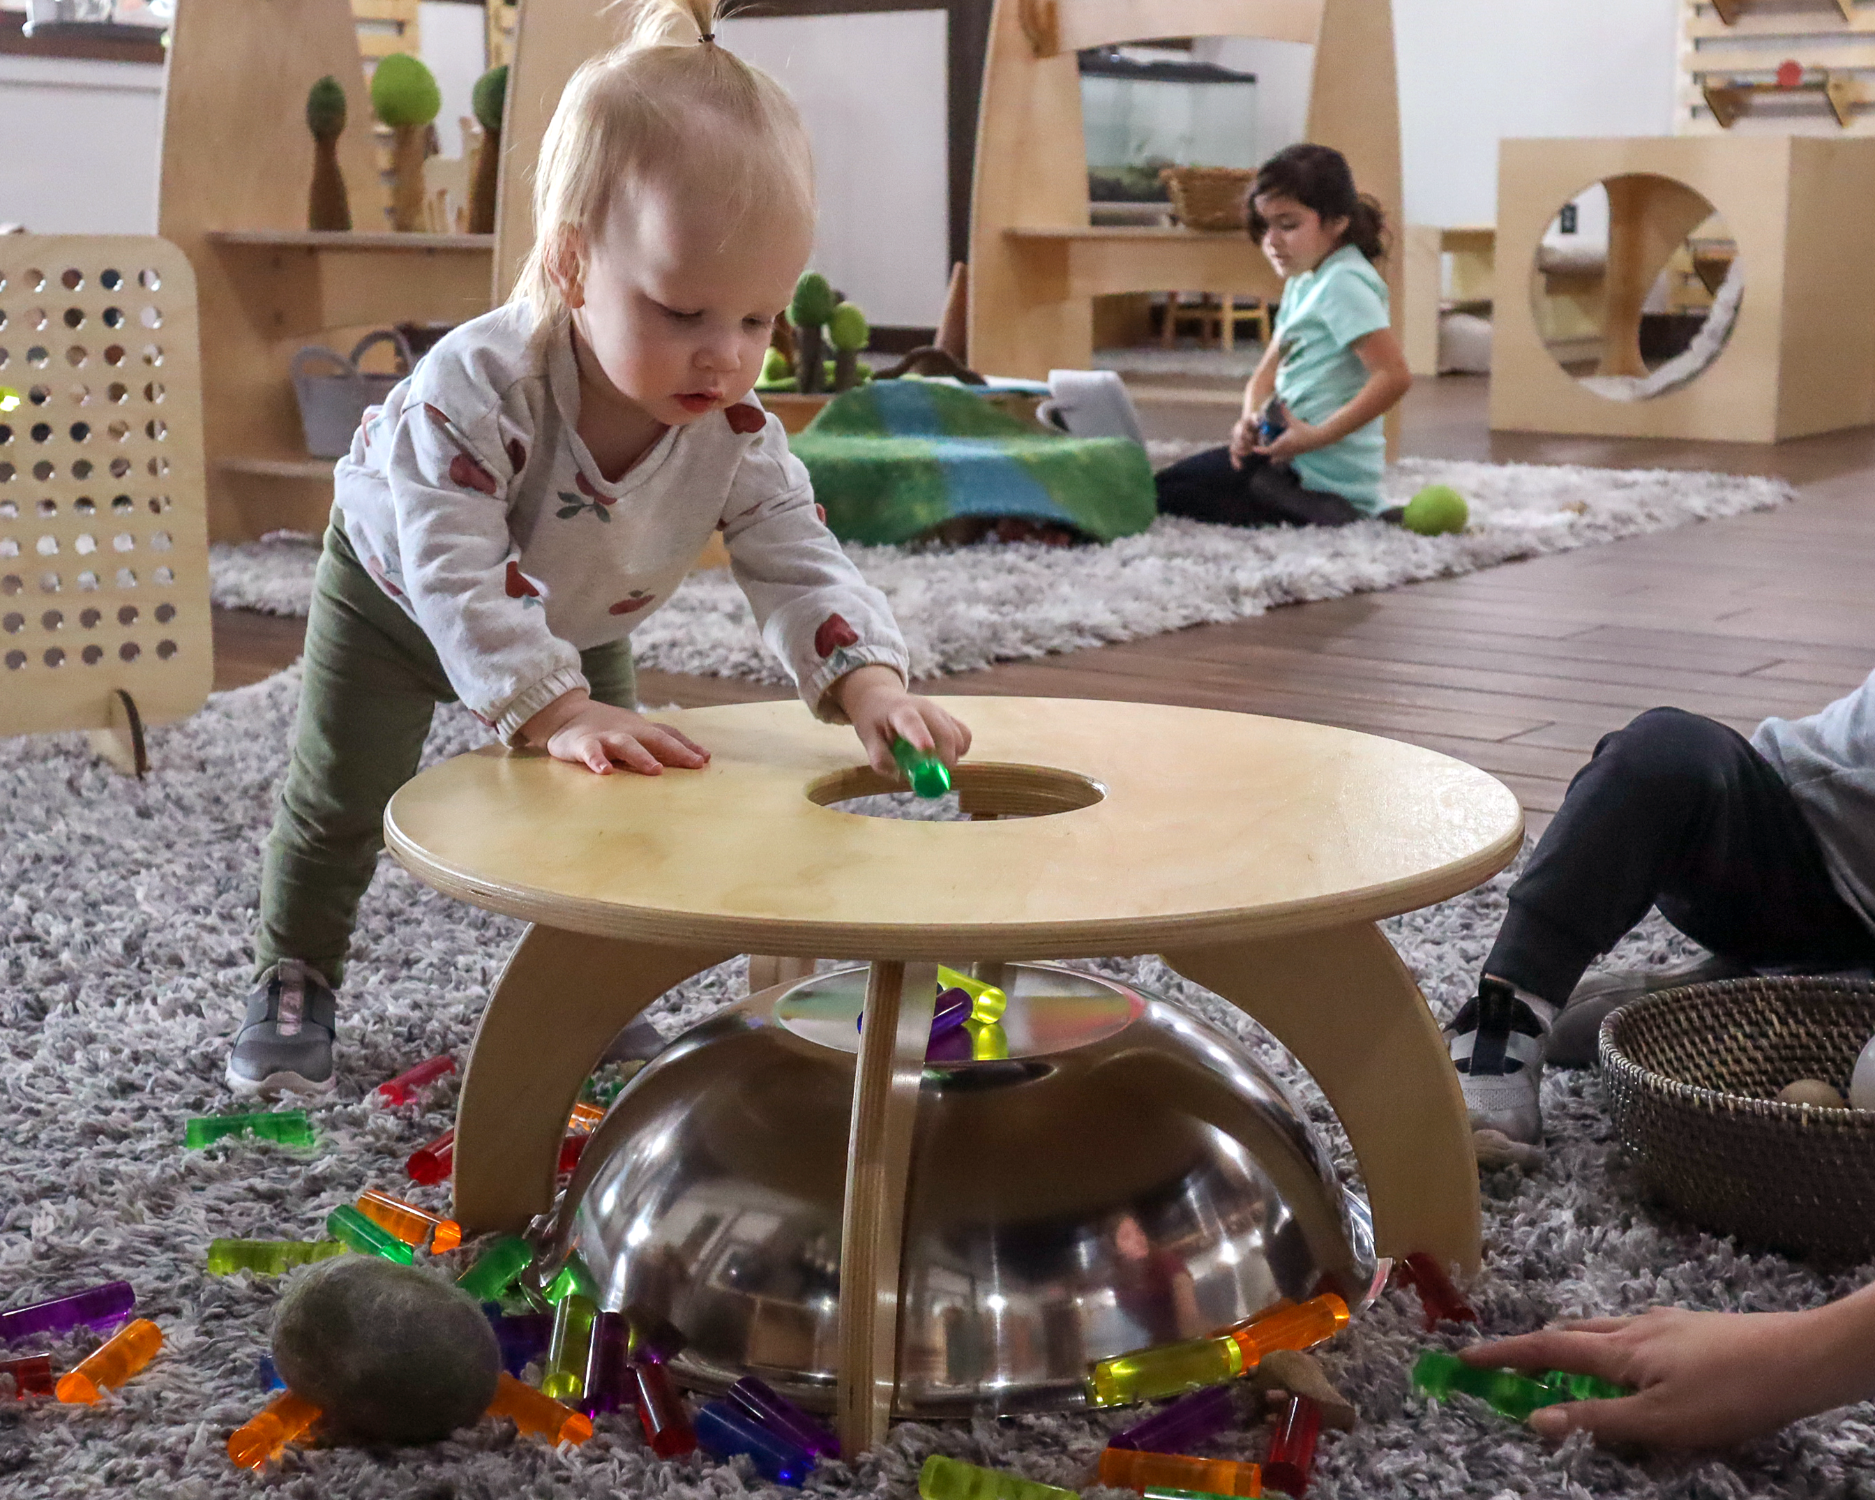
x=124 y=952
x=962 y=608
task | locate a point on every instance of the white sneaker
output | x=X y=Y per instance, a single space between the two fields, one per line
x=1496 y=1043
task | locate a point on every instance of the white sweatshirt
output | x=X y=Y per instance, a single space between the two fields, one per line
x=471 y=500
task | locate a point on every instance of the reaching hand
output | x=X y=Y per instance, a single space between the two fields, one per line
x=882 y=711
x=1243 y=440
x=1297 y=438
x=598 y=735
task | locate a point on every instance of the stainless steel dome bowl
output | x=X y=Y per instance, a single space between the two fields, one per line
x=1127 y=1175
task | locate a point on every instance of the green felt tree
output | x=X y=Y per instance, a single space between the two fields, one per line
x=489 y=100
x=327 y=206
x=813 y=304
x=850 y=332
x=405 y=97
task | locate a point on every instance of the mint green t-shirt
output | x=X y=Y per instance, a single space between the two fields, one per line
x=1324 y=313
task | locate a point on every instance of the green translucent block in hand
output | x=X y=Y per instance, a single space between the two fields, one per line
x=268 y=1257
x=366 y=1238
x=1441 y=1375
x=929 y=776
x=289 y=1127
x=944 y=1478
x=1569 y=1387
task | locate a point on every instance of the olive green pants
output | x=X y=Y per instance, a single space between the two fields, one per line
x=371 y=685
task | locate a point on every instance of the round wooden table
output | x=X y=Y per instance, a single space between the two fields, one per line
x=1253 y=854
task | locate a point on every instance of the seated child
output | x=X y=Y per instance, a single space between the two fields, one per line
x=545 y=478
x=1309 y=448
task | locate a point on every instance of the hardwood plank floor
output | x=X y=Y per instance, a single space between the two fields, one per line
x=1518 y=670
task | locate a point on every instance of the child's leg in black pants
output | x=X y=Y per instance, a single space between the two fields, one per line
x=1679 y=812
x=1207 y=487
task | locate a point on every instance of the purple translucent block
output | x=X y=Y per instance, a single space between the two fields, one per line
x=608 y=1385
x=522 y=1337
x=953 y=1009
x=654 y=1339
x=99 y=1307
x=1184 y=1424
x=782 y=1416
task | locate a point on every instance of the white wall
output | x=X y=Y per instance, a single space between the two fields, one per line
x=82 y=145
x=453 y=41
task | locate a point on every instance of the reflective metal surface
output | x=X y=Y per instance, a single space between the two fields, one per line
x=1127 y=1175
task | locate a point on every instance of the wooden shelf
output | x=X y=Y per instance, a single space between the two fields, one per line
x=278 y=468
x=352 y=240
x=1082 y=261
x=1155 y=233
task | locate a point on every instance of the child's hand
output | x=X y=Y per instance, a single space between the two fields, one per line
x=1701 y=1379
x=882 y=711
x=595 y=735
x=1298 y=437
x=1243 y=441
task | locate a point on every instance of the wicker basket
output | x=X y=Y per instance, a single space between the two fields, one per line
x=1690 y=1075
x=1213 y=198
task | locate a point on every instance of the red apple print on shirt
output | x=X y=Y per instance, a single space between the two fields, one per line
x=572 y=505
x=471 y=475
x=517 y=454
x=744 y=418
x=520 y=586
x=631 y=603
x=834 y=633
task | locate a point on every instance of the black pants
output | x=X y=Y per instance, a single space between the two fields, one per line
x=1205 y=487
x=1678 y=812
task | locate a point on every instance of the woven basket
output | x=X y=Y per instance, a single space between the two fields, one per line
x=1215 y=198
x=1690 y=1074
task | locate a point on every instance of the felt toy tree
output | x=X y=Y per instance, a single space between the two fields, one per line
x=813 y=304
x=489 y=100
x=327 y=206
x=850 y=331
x=405 y=97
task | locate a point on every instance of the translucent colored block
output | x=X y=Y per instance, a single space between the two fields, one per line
x=565 y=1376
x=409 y=1084
x=1439 y=1300
x=31 y=1375
x=1168 y=1370
x=496 y=1267
x=1302 y=1326
x=944 y=1478
x=953 y=1009
x=289 y=1127
x=573 y=1279
x=1171 y=1492
x=928 y=775
x=1291 y=1457
x=521 y=1337
x=987 y=1003
x=780 y=1415
x=409 y=1223
x=1129 y=1469
x=724 y=1431
x=1187 y=1422
x=100 y=1308
x=1441 y=1375
x=988 y=1041
x=655 y=1340
x=127 y=1351
x=268 y=1257
x=661 y=1411
x=433 y=1161
x=266 y=1375
x=264 y=1436
x=607 y=1385
x=1571 y=1387
x=535 y=1414
x=585 y=1117
x=570 y=1150
x=347 y=1224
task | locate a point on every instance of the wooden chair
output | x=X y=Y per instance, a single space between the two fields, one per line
x=1216 y=317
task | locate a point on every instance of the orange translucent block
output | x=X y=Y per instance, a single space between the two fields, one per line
x=409 y=1223
x=264 y=1436
x=584 y=1117
x=1300 y=1327
x=537 y=1415
x=1130 y=1469
x=127 y=1351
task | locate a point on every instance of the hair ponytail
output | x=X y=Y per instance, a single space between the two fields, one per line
x=1319 y=178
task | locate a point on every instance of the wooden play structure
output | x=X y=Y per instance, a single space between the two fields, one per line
x=1800 y=357
x=1036 y=262
x=104 y=617
x=1425 y=250
x=1788 y=67
x=1277 y=917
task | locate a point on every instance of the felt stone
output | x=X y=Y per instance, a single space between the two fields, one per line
x=388 y=1353
x=1811 y=1091
x=1301 y=1374
x=1435 y=509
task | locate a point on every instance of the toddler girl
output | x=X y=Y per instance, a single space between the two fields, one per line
x=546 y=477
x=1308 y=449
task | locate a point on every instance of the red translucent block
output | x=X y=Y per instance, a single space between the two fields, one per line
x=408 y=1085
x=1292 y=1447
x=1439 y=1300
x=432 y=1163
x=570 y=1149
x=661 y=1411
x=31 y=1375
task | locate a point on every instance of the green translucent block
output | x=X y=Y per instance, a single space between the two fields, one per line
x=572 y=1279
x=929 y=777
x=365 y=1237
x=1570 y=1387
x=289 y=1127
x=269 y=1257
x=1441 y=1375
x=565 y=1376
x=1168 y=1370
x=495 y=1268
x=952 y=1479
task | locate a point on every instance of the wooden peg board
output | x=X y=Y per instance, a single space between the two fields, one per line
x=103 y=518
x=1745 y=40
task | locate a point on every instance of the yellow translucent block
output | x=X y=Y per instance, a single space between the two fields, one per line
x=535 y=1414
x=1300 y=1327
x=988 y=1041
x=1167 y=1370
x=409 y=1223
x=127 y=1351
x=987 y=1003
x=572 y=1340
x=264 y=1436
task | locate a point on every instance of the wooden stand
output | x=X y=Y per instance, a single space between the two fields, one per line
x=1422 y=251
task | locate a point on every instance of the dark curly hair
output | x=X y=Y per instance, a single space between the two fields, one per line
x=1318 y=177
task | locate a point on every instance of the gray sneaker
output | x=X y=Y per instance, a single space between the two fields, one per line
x=285 y=1042
x=1575 y=1039
x=1496 y=1044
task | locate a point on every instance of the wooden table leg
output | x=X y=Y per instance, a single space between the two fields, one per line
x=899 y=1001
x=562 y=998
x=1346 y=1006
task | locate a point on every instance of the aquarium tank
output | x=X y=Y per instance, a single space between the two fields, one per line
x=1141 y=114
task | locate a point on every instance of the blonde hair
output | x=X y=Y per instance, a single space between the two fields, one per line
x=670 y=104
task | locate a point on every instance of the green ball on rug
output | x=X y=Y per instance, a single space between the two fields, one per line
x=1436 y=509
x=388 y=1353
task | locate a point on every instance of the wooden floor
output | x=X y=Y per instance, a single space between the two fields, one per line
x=1519 y=669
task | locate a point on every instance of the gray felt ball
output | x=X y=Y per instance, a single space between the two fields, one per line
x=388 y=1353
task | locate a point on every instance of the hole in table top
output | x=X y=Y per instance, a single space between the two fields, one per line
x=982 y=791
